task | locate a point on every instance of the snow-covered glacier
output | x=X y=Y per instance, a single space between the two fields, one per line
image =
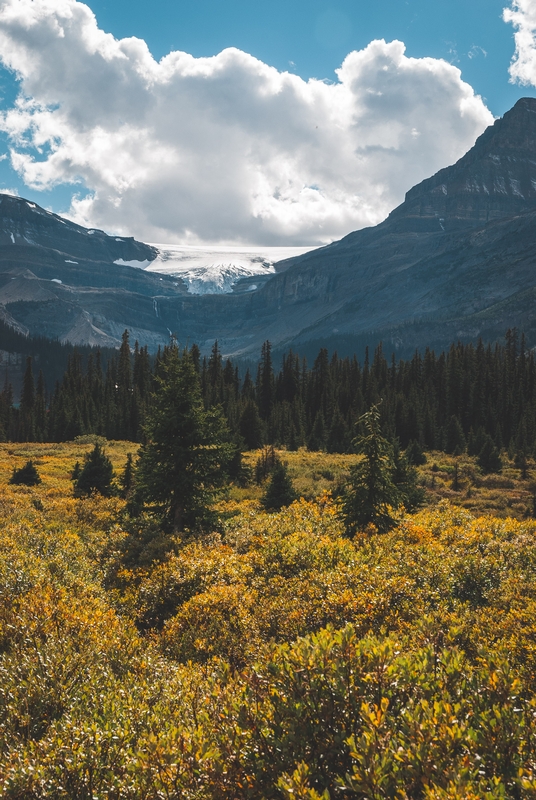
x=215 y=270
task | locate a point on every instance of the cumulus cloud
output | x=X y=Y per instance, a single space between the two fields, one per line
x=227 y=148
x=522 y=15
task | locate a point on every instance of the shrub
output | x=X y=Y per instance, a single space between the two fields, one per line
x=489 y=459
x=96 y=474
x=26 y=475
x=279 y=492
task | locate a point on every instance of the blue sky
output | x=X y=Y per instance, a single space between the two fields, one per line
x=312 y=37
x=212 y=159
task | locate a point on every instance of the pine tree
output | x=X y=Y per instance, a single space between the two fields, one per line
x=127 y=478
x=27 y=405
x=124 y=391
x=279 y=492
x=415 y=454
x=489 y=459
x=318 y=437
x=40 y=409
x=338 y=438
x=455 y=437
x=183 y=464
x=371 y=492
x=26 y=475
x=96 y=474
x=251 y=426
x=265 y=383
x=404 y=476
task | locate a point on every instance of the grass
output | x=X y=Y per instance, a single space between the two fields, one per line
x=503 y=495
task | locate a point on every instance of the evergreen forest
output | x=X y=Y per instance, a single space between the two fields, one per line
x=463 y=399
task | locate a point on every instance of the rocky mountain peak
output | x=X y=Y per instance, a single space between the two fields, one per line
x=26 y=224
x=495 y=179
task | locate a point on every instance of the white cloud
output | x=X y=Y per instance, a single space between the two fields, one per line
x=522 y=15
x=223 y=149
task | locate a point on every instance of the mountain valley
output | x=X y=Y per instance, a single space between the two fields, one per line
x=456 y=260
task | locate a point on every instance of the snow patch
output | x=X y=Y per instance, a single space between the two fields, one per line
x=55 y=280
x=516 y=188
x=138 y=264
x=68 y=261
x=32 y=205
x=12 y=238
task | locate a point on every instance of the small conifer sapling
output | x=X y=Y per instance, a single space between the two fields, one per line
x=26 y=475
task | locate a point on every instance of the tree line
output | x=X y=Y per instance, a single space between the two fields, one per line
x=465 y=398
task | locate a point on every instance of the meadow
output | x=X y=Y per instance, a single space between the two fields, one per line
x=273 y=657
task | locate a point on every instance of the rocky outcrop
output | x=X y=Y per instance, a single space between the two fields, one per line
x=495 y=179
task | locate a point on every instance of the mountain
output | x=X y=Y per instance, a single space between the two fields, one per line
x=456 y=260
x=64 y=281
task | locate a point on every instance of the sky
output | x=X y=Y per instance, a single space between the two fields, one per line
x=288 y=122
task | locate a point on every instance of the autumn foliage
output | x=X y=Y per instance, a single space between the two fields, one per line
x=271 y=658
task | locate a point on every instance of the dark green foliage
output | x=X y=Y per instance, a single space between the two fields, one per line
x=251 y=426
x=455 y=486
x=455 y=442
x=279 y=492
x=77 y=469
x=96 y=474
x=489 y=459
x=339 y=439
x=27 y=405
x=476 y=441
x=26 y=475
x=318 y=438
x=441 y=401
x=415 y=454
x=404 y=477
x=184 y=461
x=371 y=492
x=521 y=463
x=127 y=478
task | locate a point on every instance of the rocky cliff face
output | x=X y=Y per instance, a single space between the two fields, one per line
x=495 y=179
x=456 y=259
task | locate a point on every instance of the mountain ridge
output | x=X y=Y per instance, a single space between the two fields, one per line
x=459 y=248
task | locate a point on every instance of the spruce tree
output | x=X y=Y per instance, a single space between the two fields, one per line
x=455 y=437
x=415 y=454
x=183 y=463
x=279 y=492
x=371 y=492
x=265 y=382
x=404 y=476
x=127 y=478
x=96 y=474
x=27 y=405
x=489 y=459
x=40 y=409
x=26 y=475
x=251 y=426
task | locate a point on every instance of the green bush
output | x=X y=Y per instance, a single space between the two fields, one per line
x=96 y=474
x=26 y=475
